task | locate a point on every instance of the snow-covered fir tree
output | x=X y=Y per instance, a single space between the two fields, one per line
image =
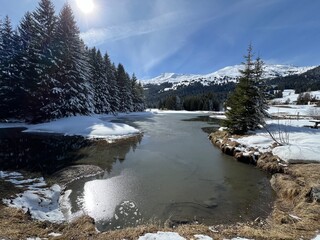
x=246 y=106
x=45 y=28
x=113 y=89
x=125 y=93
x=71 y=72
x=28 y=65
x=9 y=81
x=99 y=82
x=137 y=95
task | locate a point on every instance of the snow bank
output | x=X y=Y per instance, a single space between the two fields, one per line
x=301 y=144
x=239 y=238
x=202 y=237
x=95 y=126
x=298 y=154
x=41 y=201
x=176 y=236
x=161 y=236
x=86 y=126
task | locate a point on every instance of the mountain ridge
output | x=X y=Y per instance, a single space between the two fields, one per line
x=224 y=75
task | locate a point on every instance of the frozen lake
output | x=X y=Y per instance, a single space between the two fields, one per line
x=172 y=174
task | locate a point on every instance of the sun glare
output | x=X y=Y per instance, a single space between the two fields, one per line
x=86 y=6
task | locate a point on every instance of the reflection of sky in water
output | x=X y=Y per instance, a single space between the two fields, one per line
x=108 y=201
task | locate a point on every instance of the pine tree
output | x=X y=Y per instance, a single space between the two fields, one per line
x=113 y=89
x=246 y=106
x=71 y=72
x=45 y=28
x=9 y=81
x=137 y=95
x=28 y=62
x=98 y=79
x=124 y=89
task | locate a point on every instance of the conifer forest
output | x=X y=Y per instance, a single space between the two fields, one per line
x=47 y=72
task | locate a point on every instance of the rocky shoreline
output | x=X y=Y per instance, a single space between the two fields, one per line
x=265 y=161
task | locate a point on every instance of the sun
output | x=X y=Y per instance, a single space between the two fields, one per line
x=86 y=6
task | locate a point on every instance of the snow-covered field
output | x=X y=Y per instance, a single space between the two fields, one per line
x=289 y=96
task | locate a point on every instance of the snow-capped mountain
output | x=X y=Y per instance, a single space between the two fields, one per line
x=224 y=75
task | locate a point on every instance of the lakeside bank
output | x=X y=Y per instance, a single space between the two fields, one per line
x=296 y=211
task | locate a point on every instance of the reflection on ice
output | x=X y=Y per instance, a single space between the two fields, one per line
x=107 y=202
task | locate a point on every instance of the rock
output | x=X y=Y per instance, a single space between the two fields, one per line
x=210 y=203
x=315 y=193
x=248 y=158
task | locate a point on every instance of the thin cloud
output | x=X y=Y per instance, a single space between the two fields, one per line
x=98 y=36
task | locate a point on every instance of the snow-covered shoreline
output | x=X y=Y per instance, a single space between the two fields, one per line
x=300 y=144
x=91 y=127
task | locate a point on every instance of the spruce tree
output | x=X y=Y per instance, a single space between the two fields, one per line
x=113 y=88
x=246 y=106
x=9 y=81
x=45 y=28
x=28 y=64
x=99 y=83
x=137 y=95
x=125 y=96
x=71 y=75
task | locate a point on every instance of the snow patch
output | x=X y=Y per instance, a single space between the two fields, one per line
x=176 y=236
x=86 y=126
x=239 y=238
x=41 y=201
x=161 y=236
x=202 y=237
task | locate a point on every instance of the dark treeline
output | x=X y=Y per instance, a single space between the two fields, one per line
x=205 y=102
x=47 y=72
x=192 y=97
x=308 y=81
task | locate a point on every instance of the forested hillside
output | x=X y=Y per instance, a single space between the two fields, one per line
x=307 y=81
x=47 y=72
x=192 y=97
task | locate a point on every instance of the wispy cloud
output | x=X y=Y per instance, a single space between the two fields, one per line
x=97 y=36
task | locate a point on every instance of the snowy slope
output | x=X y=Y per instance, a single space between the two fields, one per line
x=224 y=75
x=290 y=96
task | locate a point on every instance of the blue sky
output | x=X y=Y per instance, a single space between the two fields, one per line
x=150 y=37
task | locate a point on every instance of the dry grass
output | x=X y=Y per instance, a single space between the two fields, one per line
x=14 y=224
